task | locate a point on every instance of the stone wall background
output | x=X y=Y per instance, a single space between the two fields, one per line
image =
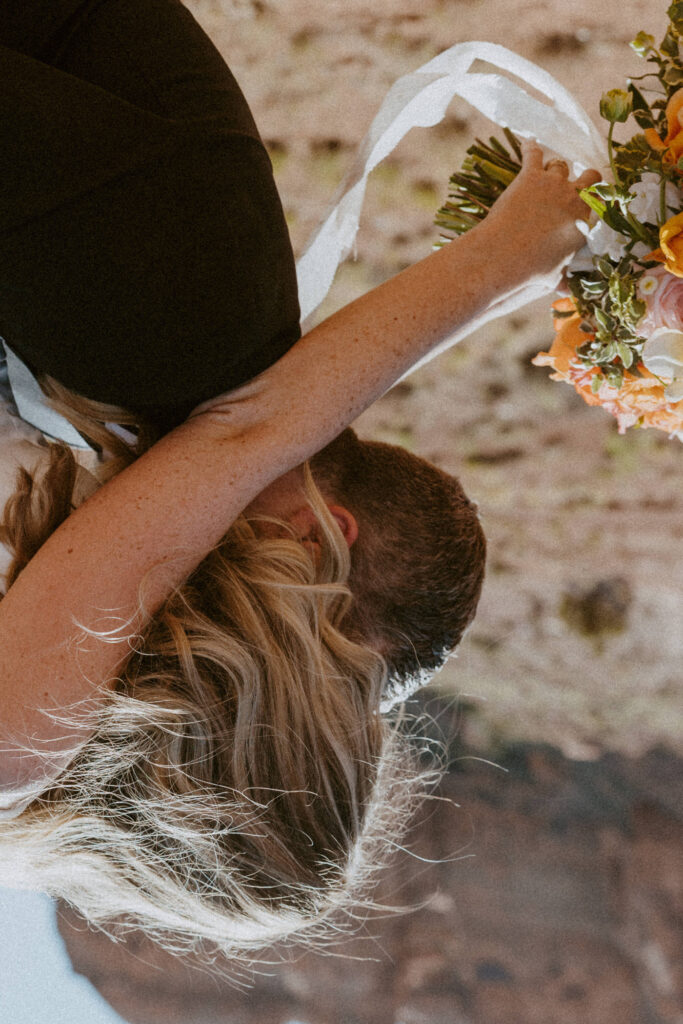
x=547 y=891
x=571 y=908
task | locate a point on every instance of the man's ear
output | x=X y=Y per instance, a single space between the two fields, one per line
x=346 y=522
x=305 y=524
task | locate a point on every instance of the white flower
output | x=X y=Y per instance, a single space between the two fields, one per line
x=581 y=262
x=674 y=392
x=645 y=207
x=663 y=356
x=648 y=285
x=640 y=250
x=603 y=240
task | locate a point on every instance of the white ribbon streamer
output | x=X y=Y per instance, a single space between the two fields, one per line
x=420 y=99
x=32 y=405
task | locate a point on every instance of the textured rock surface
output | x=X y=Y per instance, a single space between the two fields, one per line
x=557 y=898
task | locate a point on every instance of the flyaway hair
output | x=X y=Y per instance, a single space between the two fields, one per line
x=239 y=787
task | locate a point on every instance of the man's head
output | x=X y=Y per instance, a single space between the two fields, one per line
x=417 y=547
x=417 y=564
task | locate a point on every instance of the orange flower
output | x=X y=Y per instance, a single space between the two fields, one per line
x=672 y=145
x=670 y=250
x=562 y=354
x=639 y=401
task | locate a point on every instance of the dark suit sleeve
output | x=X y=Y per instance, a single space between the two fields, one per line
x=144 y=255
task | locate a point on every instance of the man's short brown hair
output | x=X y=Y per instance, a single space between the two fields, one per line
x=417 y=566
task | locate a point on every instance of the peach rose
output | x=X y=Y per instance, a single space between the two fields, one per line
x=639 y=401
x=670 y=251
x=662 y=293
x=672 y=145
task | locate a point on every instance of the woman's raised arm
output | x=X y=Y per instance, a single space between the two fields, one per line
x=165 y=512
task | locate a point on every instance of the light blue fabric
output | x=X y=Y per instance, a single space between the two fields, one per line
x=38 y=984
x=5 y=386
x=21 y=390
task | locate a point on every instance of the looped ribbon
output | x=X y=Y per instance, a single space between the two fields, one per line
x=418 y=99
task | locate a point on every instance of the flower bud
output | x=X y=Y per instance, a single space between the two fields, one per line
x=616 y=105
x=643 y=43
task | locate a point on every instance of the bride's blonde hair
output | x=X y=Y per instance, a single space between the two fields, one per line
x=239 y=787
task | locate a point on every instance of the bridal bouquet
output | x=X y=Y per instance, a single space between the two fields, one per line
x=619 y=333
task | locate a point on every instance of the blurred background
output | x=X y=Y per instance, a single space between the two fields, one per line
x=557 y=892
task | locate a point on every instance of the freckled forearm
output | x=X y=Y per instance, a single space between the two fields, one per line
x=344 y=364
x=160 y=516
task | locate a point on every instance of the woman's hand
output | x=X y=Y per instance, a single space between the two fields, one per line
x=534 y=221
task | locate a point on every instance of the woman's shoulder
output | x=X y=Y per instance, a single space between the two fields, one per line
x=23 y=446
x=19 y=446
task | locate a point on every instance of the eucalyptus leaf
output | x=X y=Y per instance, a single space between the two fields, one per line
x=605 y=190
x=675 y=15
x=604 y=266
x=639 y=309
x=669 y=44
x=606 y=352
x=605 y=321
x=616 y=220
x=592 y=288
x=625 y=354
x=673 y=75
x=643 y=43
x=615 y=376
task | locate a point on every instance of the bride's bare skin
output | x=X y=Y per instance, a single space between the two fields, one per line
x=181 y=497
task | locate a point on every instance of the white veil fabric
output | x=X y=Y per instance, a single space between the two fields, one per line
x=418 y=99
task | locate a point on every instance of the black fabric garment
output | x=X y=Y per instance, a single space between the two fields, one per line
x=144 y=255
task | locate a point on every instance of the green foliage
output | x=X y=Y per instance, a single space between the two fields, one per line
x=611 y=203
x=607 y=300
x=635 y=157
x=675 y=14
x=643 y=44
x=641 y=108
x=486 y=172
x=606 y=297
